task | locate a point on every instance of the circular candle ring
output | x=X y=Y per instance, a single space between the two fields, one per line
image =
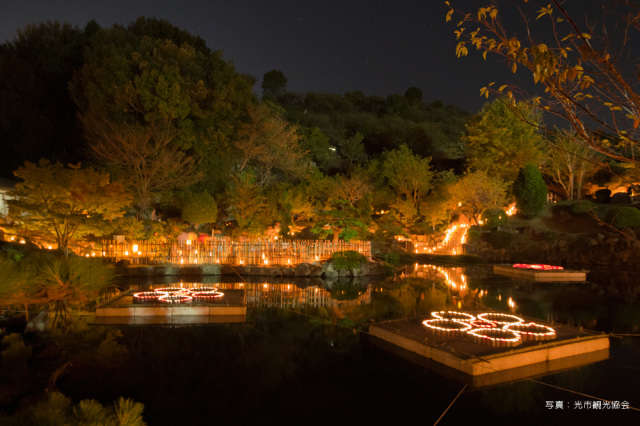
x=145 y=296
x=175 y=298
x=501 y=319
x=452 y=315
x=532 y=331
x=170 y=290
x=496 y=337
x=207 y=295
x=447 y=327
x=202 y=290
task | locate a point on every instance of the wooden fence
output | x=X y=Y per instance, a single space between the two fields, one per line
x=230 y=252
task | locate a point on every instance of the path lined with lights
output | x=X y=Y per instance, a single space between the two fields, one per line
x=452 y=243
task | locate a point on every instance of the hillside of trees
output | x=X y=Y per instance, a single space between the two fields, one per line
x=150 y=118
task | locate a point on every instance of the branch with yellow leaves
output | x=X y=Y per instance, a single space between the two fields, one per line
x=587 y=71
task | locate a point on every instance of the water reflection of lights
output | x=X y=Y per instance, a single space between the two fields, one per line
x=453 y=277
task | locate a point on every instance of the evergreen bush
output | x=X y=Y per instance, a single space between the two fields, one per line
x=624 y=217
x=583 y=206
x=494 y=218
x=474 y=235
x=530 y=191
x=347 y=260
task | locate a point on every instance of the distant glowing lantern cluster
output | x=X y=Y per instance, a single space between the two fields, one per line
x=489 y=328
x=537 y=267
x=180 y=296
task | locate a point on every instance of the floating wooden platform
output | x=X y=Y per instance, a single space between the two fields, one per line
x=481 y=365
x=124 y=311
x=555 y=275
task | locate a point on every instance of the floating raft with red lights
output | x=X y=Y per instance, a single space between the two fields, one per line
x=176 y=305
x=487 y=348
x=540 y=272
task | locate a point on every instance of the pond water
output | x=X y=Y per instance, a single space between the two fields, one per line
x=303 y=355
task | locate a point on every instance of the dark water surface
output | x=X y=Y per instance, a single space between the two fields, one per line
x=303 y=355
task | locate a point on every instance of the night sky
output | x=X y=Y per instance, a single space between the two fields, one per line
x=332 y=46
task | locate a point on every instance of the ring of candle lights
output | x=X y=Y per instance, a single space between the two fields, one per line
x=206 y=295
x=447 y=327
x=179 y=298
x=146 y=297
x=177 y=295
x=532 y=331
x=202 y=290
x=537 y=266
x=170 y=290
x=452 y=315
x=496 y=337
x=501 y=319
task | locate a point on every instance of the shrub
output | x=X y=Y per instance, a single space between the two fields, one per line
x=347 y=260
x=494 y=218
x=200 y=208
x=530 y=191
x=603 y=196
x=391 y=258
x=345 y=291
x=500 y=239
x=473 y=235
x=583 y=207
x=624 y=217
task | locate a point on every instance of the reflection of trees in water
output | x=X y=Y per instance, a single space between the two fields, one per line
x=404 y=298
x=213 y=371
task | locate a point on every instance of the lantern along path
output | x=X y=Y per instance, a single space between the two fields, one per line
x=540 y=273
x=487 y=356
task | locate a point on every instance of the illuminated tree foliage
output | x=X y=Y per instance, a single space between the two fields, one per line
x=408 y=174
x=342 y=220
x=269 y=145
x=246 y=201
x=476 y=192
x=500 y=140
x=64 y=203
x=587 y=67
x=570 y=162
